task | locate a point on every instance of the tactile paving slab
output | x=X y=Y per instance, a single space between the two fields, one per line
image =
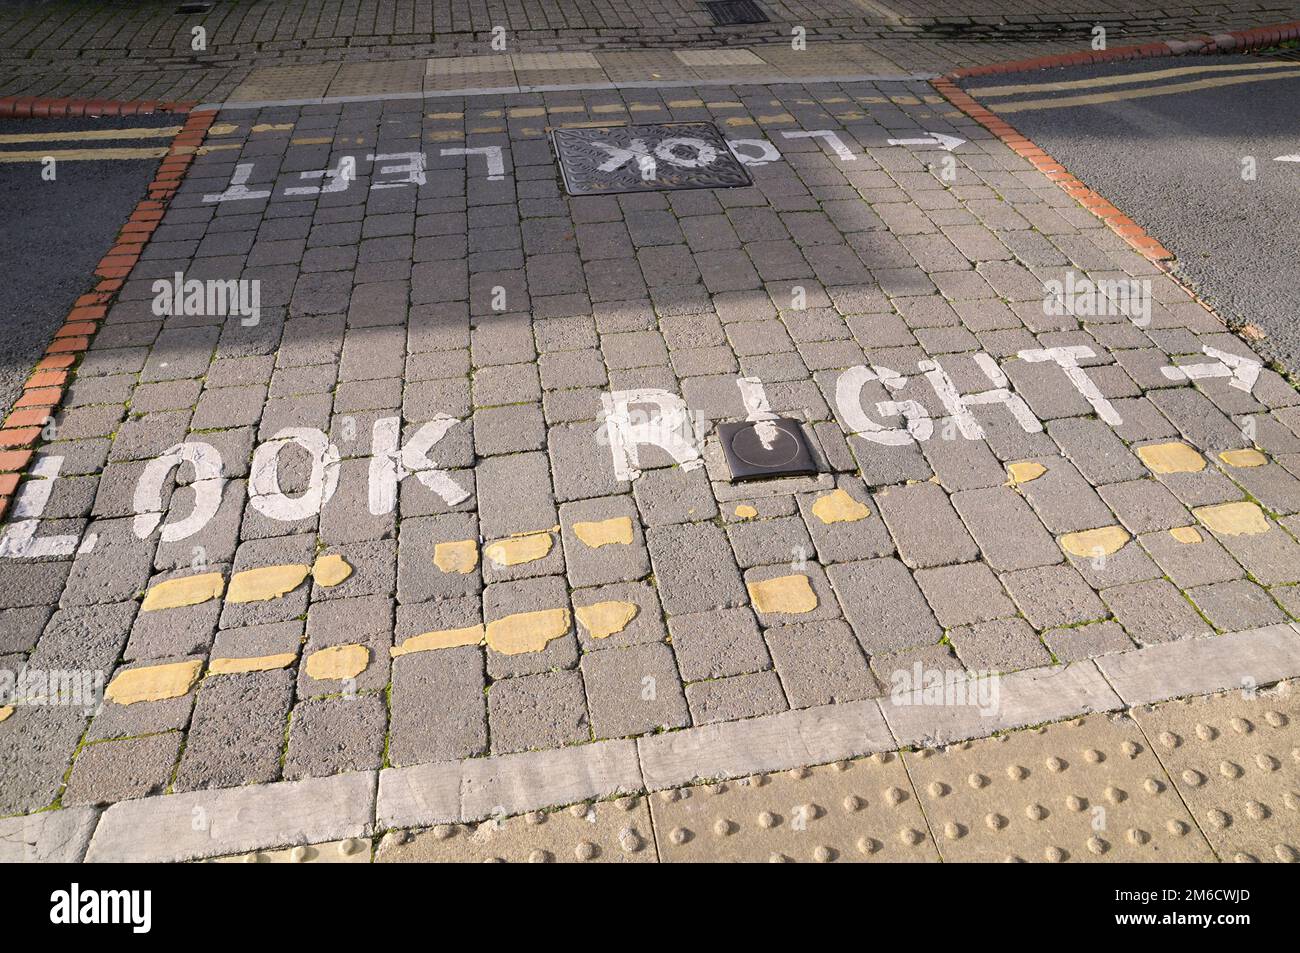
x=1084 y=790
x=610 y=159
x=604 y=832
x=849 y=811
x=1236 y=762
x=353 y=850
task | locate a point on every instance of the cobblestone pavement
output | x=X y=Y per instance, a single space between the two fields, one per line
x=147 y=50
x=454 y=487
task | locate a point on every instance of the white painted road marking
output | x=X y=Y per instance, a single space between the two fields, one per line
x=947 y=143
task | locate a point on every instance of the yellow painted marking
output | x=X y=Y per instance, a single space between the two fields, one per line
x=779 y=117
x=606 y=618
x=222 y=128
x=311 y=141
x=527 y=112
x=519 y=549
x=1233 y=519
x=1243 y=458
x=989 y=92
x=187 y=591
x=1023 y=471
x=603 y=532
x=685 y=103
x=273 y=127
x=256 y=663
x=486 y=130
x=269 y=582
x=1095 y=542
x=746 y=512
x=1187 y=535
x=725 y=105
x=338 y=661
x=330 y=570
x=87 y=135
x=567 y=109
x=609 y=108
x=646 y=108
x=459 y=115
x=1091 y=99
x=460 y=556
x=904 y=100
x=735 y=121
x=82 y=155
x=450 y=135
x=153 y=682
x=219 y=147
x=444 y=639
x=6 y=711
x=792 y=594
x=526 y=631
x=838 y=506
x=1171 y=458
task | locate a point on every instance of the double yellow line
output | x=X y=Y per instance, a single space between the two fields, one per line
x=1259 y=72
x=87 y=135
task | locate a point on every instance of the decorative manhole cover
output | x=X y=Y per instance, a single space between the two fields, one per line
x=766 y=448
x=728 y=12
x=677 y=155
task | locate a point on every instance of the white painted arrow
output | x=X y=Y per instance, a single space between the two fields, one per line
x=936 y=139
x=1294 y=158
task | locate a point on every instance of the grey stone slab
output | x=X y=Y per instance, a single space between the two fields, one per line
x=111 y=771
x=1002 y=645
x=1154 y=611
x=59 y=837
x=1236 y=605
x=768 y=743
x=1029 y=697
x=883 y=604
x=284 y=814
x=512 y=784
x=366 y=621
x=1198 y=420
x=961 y=464
x=634 y=690
x=87 y=637
x=1076 y=643
x=419 y=795
x=924 y=525
x=1010 y=536
x=1240 y=660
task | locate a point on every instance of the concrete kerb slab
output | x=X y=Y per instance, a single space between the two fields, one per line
x=775 y=80
x=196 y=825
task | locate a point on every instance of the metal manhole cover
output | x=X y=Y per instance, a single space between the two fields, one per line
x=766 y=448
x=729 y=12
x=677 y=155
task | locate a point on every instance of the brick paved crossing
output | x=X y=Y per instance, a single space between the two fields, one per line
x=489 y=320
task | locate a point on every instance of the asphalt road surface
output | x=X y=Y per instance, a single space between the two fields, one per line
x=1169 y=150
x=53 y=233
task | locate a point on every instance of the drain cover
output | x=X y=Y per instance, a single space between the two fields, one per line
x=766 y=448
x=728 y=12
x=676 y=155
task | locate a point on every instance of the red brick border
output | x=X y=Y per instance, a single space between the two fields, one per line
x=1119 y=223
x=44 y=107
x=44 y=389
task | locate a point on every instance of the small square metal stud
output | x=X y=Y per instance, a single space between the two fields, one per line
x=766 y=448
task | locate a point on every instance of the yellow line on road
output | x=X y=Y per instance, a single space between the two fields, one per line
x=158 y=132
x=74 y=155
x=988 y=92
x=1093 y=99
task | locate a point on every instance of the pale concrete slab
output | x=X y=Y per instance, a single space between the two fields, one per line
x=58 y=837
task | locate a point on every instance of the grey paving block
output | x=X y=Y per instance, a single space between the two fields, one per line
x=1073 y=644
x=885 y=466
x=674 y=495
x=548 y=710
x=1003 y=645
x=236 y=735
x=298 y=549
x=87 y=637
x=112 y=771
x=1063 y=499
x=846 y=541
x=187 y=630
x=333 y=735
x=1053 y=596
x=610 y=562
x=1271 y=557
x=717 y=644
x=114 y=571
x=925 y=526
x=820 y=663
x=456 y=727
x=1198 y=420
x=768 y=542
x=1154 y=611
x=37 y=745
x=23 y=627
x=736 y=697
x=1093 y=447
x=1010 y=536
x=1235 y=605
x=965 y=593
x=883 y=604
x=962 y=464
x=1189 y=564
x=694 y=568
x=365 y=621
x=824 y=607
x=512 y=429
x=418 y=577
x=1144 y=506
x=503 y=599
x=633 y=691
x=646 y=626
